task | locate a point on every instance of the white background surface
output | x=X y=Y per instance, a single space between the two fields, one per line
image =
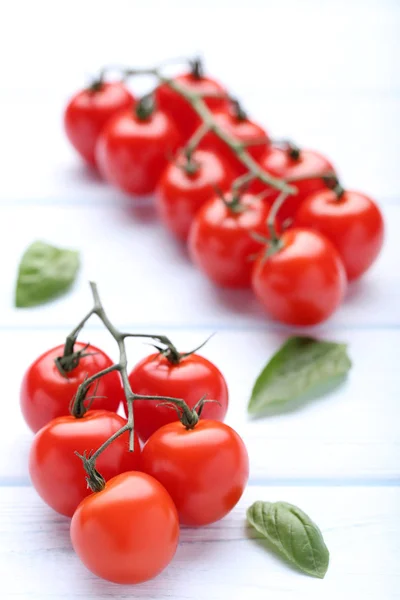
x=324 y=73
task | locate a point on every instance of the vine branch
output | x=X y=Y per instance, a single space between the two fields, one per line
x=208 y=120
x=209 y=123
x=189 y=417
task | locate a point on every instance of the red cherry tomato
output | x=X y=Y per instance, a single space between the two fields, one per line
x=220 y=241
x=180 y=110
x=204 y=469
x=302 y=283
x=191 y=379
x=281 y=164
x=89 y=110
x=58 y=474
x=46 y=394
x=352 y=222
x=241 y=129
x=181 y=192
x=132 y=152
x=128 y=532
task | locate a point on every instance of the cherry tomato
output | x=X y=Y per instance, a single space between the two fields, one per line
x=180 y=110
x=302 y=283
x=352 y=222
x=58 y=474
x=89 y=110
x=220 y=241
x=205 y=469
x=191 y=379
x=46 y=394
x=132 y=152
x=185 y=187
x=285 y=164
x=242 y=129
x=128 y=532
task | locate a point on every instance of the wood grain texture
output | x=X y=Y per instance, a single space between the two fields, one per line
x=132 y=257
x=344 y=436
x=323 y=73
x=361 y=528
x=340 y=125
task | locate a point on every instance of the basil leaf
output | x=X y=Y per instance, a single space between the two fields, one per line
x=45 y=272
x=292 y=533
x=301 y=365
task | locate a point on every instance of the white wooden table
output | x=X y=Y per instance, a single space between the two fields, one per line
x=324 y=73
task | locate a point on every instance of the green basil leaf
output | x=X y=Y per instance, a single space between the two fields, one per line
x=45 y=272
x=292 y=533
x=301 y=365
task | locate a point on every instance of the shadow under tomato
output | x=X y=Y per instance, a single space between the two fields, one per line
x=359 y=290
x=141 y=210
x=84 y=173
x=181 y=249
x=240 y=301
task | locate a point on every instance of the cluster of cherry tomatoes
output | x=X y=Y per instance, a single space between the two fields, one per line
x=324 y=235
x=128 y=532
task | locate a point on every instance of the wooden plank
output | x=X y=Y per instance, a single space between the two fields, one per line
x=164 y=289
x=334 y=46
x=361 y=527
x=332 y=83
x=345 y=436
x=340 y=95
x=331 y=123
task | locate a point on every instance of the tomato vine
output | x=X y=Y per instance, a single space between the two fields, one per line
x=209 y=123
x=188 y=416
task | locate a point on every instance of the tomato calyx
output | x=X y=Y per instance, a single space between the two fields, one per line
x=96 y=85
x=189 y=417
x=238 y=110
x=234 y=205
x=292 y=149
x=196 y=68
x=145 y=107
x=94 y=480
x=189 y=166
x=171 y=353
x=271 y=245
x=333 y=183
x=70 y=360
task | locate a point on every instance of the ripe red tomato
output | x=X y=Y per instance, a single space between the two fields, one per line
x=204 y=469
x=182 y=192
x=46 y=394
x=352 y=222
x=58 y=474
x=180 y=110
x=89 y=110
x=282 y=164
x=132 y=152
x=303 y=282
x=128 y=532
x=191 y=379
x=241 y=129
x=220 y=241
